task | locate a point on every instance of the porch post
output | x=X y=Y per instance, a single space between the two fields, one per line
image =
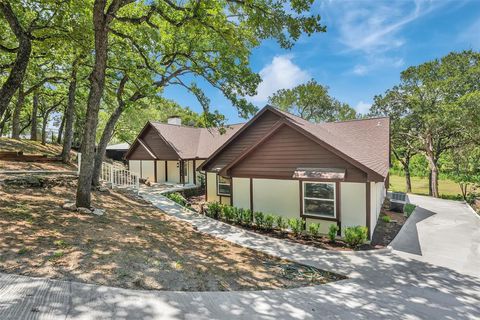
x=166 y=171
x=194 y=173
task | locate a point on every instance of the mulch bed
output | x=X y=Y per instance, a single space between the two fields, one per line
x=385 y=232
x=318 y=242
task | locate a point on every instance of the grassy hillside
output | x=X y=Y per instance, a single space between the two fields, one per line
x=29 y=147
x=420 y=186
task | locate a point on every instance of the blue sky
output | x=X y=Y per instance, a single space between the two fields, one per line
x=366 y=46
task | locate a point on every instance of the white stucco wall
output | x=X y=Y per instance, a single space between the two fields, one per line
x=324 y=224
x=160 y=171
x=241 y=192
x=148 y=170
x=377 y=195
x=134 y=166
x=279 y=197
x=212 y=187
x=173 y=171
x=353 y=204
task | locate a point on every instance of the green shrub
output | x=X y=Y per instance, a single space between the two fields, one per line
x=356 y=236
x=247 y=217
x=259 y=219
x=238 y=216
x=228 y=212
x=386 y=219
x=408 y=209
x=297 y=225
x=214 y=210
x=332 y=232
x=313 y=229
x=281 y=223
x=178 y=198
x=269 y=221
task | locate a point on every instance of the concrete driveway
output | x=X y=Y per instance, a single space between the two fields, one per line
x=380 y=285
x=441 y=232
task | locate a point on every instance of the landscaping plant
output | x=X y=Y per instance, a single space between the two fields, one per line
x=297 y=225
x=178 y=198
x=269 y=221
x=238 y=218
x=228 y=212
x=214 y=210
x=356 y=236
x=332 y=232
x=408 y=209
x=386 y=219
x=313 y=229
x=247 y=217
x=282 y=223
x=259 y=219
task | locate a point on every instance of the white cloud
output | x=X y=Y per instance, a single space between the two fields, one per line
x=363 y=107
x=281 y=73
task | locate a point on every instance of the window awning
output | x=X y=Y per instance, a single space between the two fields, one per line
x=319 y=173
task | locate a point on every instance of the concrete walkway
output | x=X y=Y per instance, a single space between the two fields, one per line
x=441 y=232
x=381 y=285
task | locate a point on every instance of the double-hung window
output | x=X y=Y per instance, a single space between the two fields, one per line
x=223 y=186
x=319 y=199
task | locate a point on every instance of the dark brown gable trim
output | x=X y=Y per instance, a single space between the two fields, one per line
x=236 y=134
x=242 y=156
x=167 y=142
x=143 y=144
x=131 y=146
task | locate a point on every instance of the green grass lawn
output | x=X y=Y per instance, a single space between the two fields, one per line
x=420 y=186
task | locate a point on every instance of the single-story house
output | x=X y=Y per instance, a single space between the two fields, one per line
x=117 y=151
x=331 y=173
x=170 y=152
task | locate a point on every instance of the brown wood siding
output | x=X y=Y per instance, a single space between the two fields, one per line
x=246 y=139
x=157 y=145
x=138 y=152
x=287 y=150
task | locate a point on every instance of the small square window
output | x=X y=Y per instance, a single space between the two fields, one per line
x=223 y=186
x=319 y=199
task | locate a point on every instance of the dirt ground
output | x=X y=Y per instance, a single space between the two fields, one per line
x=50 y=166
x=134 y=245
x=384 y=231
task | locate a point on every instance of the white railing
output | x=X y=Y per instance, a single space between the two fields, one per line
x=116 y=175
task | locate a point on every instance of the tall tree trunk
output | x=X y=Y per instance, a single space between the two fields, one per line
x=408 y=182
x=97 y=84
x=102 y=145
x=17 y=73
x=60 y=129
x=16 y=113
x=44 y=130
x=6 y=117
x=34 y=125
x=432 y=163
x=69 y=114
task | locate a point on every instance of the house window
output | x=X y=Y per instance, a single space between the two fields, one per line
x=223 y=186
x=319 y=199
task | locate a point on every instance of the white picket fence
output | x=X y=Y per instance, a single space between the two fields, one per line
x=115 y=175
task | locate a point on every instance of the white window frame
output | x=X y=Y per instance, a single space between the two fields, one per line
x=225 y=184
x=334 y=200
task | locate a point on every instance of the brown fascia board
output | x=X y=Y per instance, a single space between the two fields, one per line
x=147 y=148
x=234 y=136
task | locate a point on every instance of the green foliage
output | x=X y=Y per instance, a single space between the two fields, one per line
x=297 y=225
x=268 y=222
x=229 y=213
x=311 y=101
x=332 y=232
x=386 y=219
x=247 y=217
x=408 y=209
x=214 y=210
x=281 y=223
x=313 y=229
x=178 y=198
x=356 y=236
x=259 y=219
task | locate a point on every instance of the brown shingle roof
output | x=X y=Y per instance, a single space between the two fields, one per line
x=366 y=141
x=191 y=142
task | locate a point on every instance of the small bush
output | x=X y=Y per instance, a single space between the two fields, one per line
x=297 y=225
x=269 y=221
x=356 y=236
x=332 y=232
x=228 y=212
x=247 y=218
x=178 y=198
x=214 y=210
x=386 y=219
x=313 y=229
x=259 y=219
x=238 y=218
x=408 y=209
x=281 y=223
